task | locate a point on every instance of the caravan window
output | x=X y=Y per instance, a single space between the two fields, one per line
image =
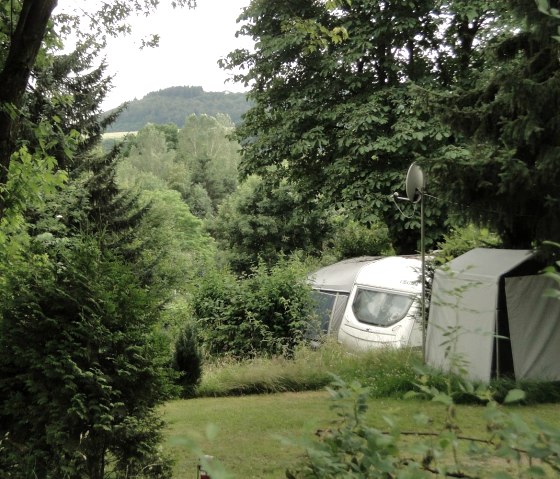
x=380 y=308
x=324 y=303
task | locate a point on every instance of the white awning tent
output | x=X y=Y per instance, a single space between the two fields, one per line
x=488 y=313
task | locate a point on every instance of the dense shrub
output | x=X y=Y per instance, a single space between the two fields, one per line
x=351 y=239
x=187 y=360
x=266 y=312
x=81 y=371
x=461 y=240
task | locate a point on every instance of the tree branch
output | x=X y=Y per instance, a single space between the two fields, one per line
x=24 y=47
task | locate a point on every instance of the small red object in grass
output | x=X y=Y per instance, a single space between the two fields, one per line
x=202 y=474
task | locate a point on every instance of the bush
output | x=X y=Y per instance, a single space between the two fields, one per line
x=264 y=313
x=508 y=447
x=187 y=360
x=81 y=371
x=461 y=240
x=352 y=239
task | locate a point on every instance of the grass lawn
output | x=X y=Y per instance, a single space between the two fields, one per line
x=247 y=431
x=244 y=433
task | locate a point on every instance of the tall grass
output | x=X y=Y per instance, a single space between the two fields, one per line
x=388 y=372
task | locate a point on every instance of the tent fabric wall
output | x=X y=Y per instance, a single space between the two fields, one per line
x=464 y=310
x=534 y=327
x=461 y=324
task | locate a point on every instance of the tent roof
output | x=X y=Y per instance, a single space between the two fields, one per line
x=340 y=276
x=488 y=263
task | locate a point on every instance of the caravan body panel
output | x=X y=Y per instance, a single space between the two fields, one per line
x=332 y=286
x=383 y=308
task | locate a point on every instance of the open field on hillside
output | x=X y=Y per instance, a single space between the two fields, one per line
x=245 y=433
x=117 y=135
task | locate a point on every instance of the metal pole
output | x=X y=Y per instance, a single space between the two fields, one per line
x=422 y=252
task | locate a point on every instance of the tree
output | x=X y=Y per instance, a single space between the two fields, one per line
x=209 y=155
x=260 y=224
x=84 y=365
x=24 y=46
x=149 y=153
x=28 y=28
x=174 y=239
x=81 y=371
x=505 y=166
x=342 y=116
x=187 y=359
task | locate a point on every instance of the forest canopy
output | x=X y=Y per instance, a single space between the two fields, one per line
x=347 y=94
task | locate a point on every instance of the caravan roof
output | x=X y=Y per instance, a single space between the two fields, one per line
x=389 y=272
x=398 y=273
x=340 y=276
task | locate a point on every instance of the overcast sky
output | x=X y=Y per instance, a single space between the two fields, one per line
x=191 y=43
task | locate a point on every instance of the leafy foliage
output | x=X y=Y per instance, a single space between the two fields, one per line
x=461 y=240
x=504 y=165
x=351 y=239
x=209 y=155
x=199 y=161
x=29 y=34
x=258 y=223
x=337 y=119
x=264 y=313
x=466 y=89
x=84 y=366
x=173 y=242
x=81 y=371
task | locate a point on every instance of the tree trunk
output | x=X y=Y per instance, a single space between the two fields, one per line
x=14 y=77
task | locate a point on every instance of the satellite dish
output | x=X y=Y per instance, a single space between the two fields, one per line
x=414 y=183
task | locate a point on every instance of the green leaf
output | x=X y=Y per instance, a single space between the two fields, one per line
x=514 y=395
x=443 y=399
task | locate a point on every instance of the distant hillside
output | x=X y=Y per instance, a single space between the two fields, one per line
x=173 y=105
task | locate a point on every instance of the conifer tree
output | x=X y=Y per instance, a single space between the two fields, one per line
x=504 y=167
x=82 y=370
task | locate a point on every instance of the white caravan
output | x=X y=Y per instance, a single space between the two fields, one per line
x=381 y=302
x=384 y=306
